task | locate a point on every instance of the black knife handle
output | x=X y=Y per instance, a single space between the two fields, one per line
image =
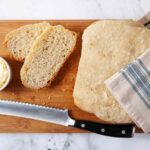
x=115 y=130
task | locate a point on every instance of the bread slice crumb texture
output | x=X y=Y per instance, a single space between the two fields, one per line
x=47 y=56
x=20 y=41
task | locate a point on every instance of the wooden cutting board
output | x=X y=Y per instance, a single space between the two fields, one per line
x=58 y=95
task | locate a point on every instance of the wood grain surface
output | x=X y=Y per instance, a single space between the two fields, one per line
x=58 y=95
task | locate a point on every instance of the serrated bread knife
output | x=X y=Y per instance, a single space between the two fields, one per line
x=61 y=117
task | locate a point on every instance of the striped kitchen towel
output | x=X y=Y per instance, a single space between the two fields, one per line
x=131 y=88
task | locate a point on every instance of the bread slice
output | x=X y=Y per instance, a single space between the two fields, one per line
x=19 y=41
x=47 y=56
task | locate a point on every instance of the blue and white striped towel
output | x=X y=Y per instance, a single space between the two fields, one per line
x=131 y=88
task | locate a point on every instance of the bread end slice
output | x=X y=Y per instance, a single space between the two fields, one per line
x=47 y=56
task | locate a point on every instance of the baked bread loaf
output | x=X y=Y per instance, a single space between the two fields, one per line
x=20 y=41
x=47 y=56
x=107 y=46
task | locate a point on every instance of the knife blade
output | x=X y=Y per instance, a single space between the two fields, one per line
x=61 y=117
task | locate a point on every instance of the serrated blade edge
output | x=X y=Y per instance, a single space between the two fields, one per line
x=32 y=111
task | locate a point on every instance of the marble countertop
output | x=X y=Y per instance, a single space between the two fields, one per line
x=72 y=9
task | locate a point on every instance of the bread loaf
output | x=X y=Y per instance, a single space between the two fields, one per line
x=107 y=46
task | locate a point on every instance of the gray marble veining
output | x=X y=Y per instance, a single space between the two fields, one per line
x=71 y=142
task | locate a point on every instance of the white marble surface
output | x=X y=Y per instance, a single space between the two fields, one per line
x=72 y=9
